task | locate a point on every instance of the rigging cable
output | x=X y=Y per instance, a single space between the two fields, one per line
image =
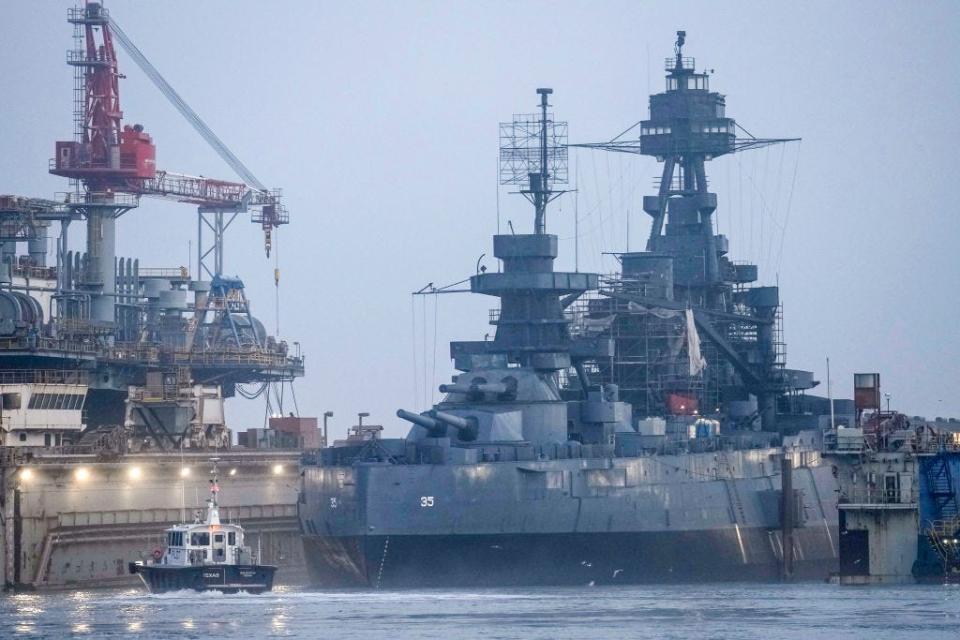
x=423 y=328
x=433 y=374
x=786 y=220
x=413 y=343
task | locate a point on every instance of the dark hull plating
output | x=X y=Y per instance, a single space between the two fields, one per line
x=564 y=559
x=226 y=578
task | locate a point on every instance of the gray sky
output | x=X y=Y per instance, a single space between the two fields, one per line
x=379 y=121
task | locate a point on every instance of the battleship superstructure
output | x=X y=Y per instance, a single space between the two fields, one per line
x=737 y=374
x=534 y=470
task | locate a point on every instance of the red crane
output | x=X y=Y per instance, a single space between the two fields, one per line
x=104 y=155
x=108 y=157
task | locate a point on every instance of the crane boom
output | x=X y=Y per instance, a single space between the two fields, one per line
x=204 y=192
x=180 y=105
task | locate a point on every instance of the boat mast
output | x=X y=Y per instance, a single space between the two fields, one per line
x=213 y=507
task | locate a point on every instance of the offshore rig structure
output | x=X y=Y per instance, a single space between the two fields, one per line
x=684 y=286
x=135 y=357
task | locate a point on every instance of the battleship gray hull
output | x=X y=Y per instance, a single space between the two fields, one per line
x=696 y=517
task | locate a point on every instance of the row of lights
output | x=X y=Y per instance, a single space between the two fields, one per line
x=82 y=474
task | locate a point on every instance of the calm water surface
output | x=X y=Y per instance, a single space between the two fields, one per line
x=694 y=611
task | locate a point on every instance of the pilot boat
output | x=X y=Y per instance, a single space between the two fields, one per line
x=205 y=556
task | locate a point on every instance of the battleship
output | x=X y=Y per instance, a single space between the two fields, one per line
x=636 y=428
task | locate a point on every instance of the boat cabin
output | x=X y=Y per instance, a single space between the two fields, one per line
x=201 y=543
x=207 y=542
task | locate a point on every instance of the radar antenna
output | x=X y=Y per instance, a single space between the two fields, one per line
x=533 y=152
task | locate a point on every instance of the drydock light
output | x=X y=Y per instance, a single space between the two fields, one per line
x=26 y=474
x=233 y=472
x=277 y=469
x=184 y=472
x=81 y=474
x=134 y=473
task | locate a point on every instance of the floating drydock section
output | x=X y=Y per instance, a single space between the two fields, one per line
x=113 y=374
x=898 y=497
x=78 y=521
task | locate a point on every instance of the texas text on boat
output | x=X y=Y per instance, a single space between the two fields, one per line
x=205 y=556
x=627 y=435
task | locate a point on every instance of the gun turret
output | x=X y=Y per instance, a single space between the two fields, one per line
x=438 y=421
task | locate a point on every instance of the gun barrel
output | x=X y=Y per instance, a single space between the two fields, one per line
x=455 y=388
x=493 y=387
x=483 y=387
x=418 y=419
x=457 y=422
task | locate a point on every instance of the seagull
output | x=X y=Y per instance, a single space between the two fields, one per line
x=587 y=564
x=616 y=571
x=495 y=546
x=590 y=584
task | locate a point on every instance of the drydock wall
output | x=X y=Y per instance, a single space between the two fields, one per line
x=73 y=521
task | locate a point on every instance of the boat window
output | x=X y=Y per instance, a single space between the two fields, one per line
x=231 y=538
x=10 y=400
x=218 y=537
x=200 y=539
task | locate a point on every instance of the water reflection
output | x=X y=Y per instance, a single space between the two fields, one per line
x=812 y=611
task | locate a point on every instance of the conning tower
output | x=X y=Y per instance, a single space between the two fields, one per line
x=684 y=281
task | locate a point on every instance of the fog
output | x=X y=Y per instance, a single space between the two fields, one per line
x=379 y=121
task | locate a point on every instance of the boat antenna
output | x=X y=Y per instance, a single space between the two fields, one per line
x=214 y=483
x=213 y=507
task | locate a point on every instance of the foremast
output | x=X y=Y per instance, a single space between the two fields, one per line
x=531 y=328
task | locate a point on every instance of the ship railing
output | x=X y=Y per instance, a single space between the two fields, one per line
x=946 y=528
x=38 y=343
x=35 y=272
x=171 y=273
x=147 y=394
x=872 y=495
x=671 y=63
x=93 y=198
x=42 y=376
x=920 y=441
x=14 y=456
x=240 y=514
x=134 y=353
x=254 y=356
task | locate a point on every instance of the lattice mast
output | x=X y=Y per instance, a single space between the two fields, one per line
x=533 y=152
x=531 y=327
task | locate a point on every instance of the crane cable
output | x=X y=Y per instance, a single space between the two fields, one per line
x=185 y=110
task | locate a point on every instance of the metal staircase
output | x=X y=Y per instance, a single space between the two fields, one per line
x=940 y=487
x=943 y=527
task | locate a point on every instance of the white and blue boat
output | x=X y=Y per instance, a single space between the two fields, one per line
x=205 y=555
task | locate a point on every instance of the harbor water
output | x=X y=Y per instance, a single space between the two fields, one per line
x=764 y=611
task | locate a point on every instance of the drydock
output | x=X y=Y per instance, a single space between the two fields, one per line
x=113 y=374
x=77 y=521
x=632 y=428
